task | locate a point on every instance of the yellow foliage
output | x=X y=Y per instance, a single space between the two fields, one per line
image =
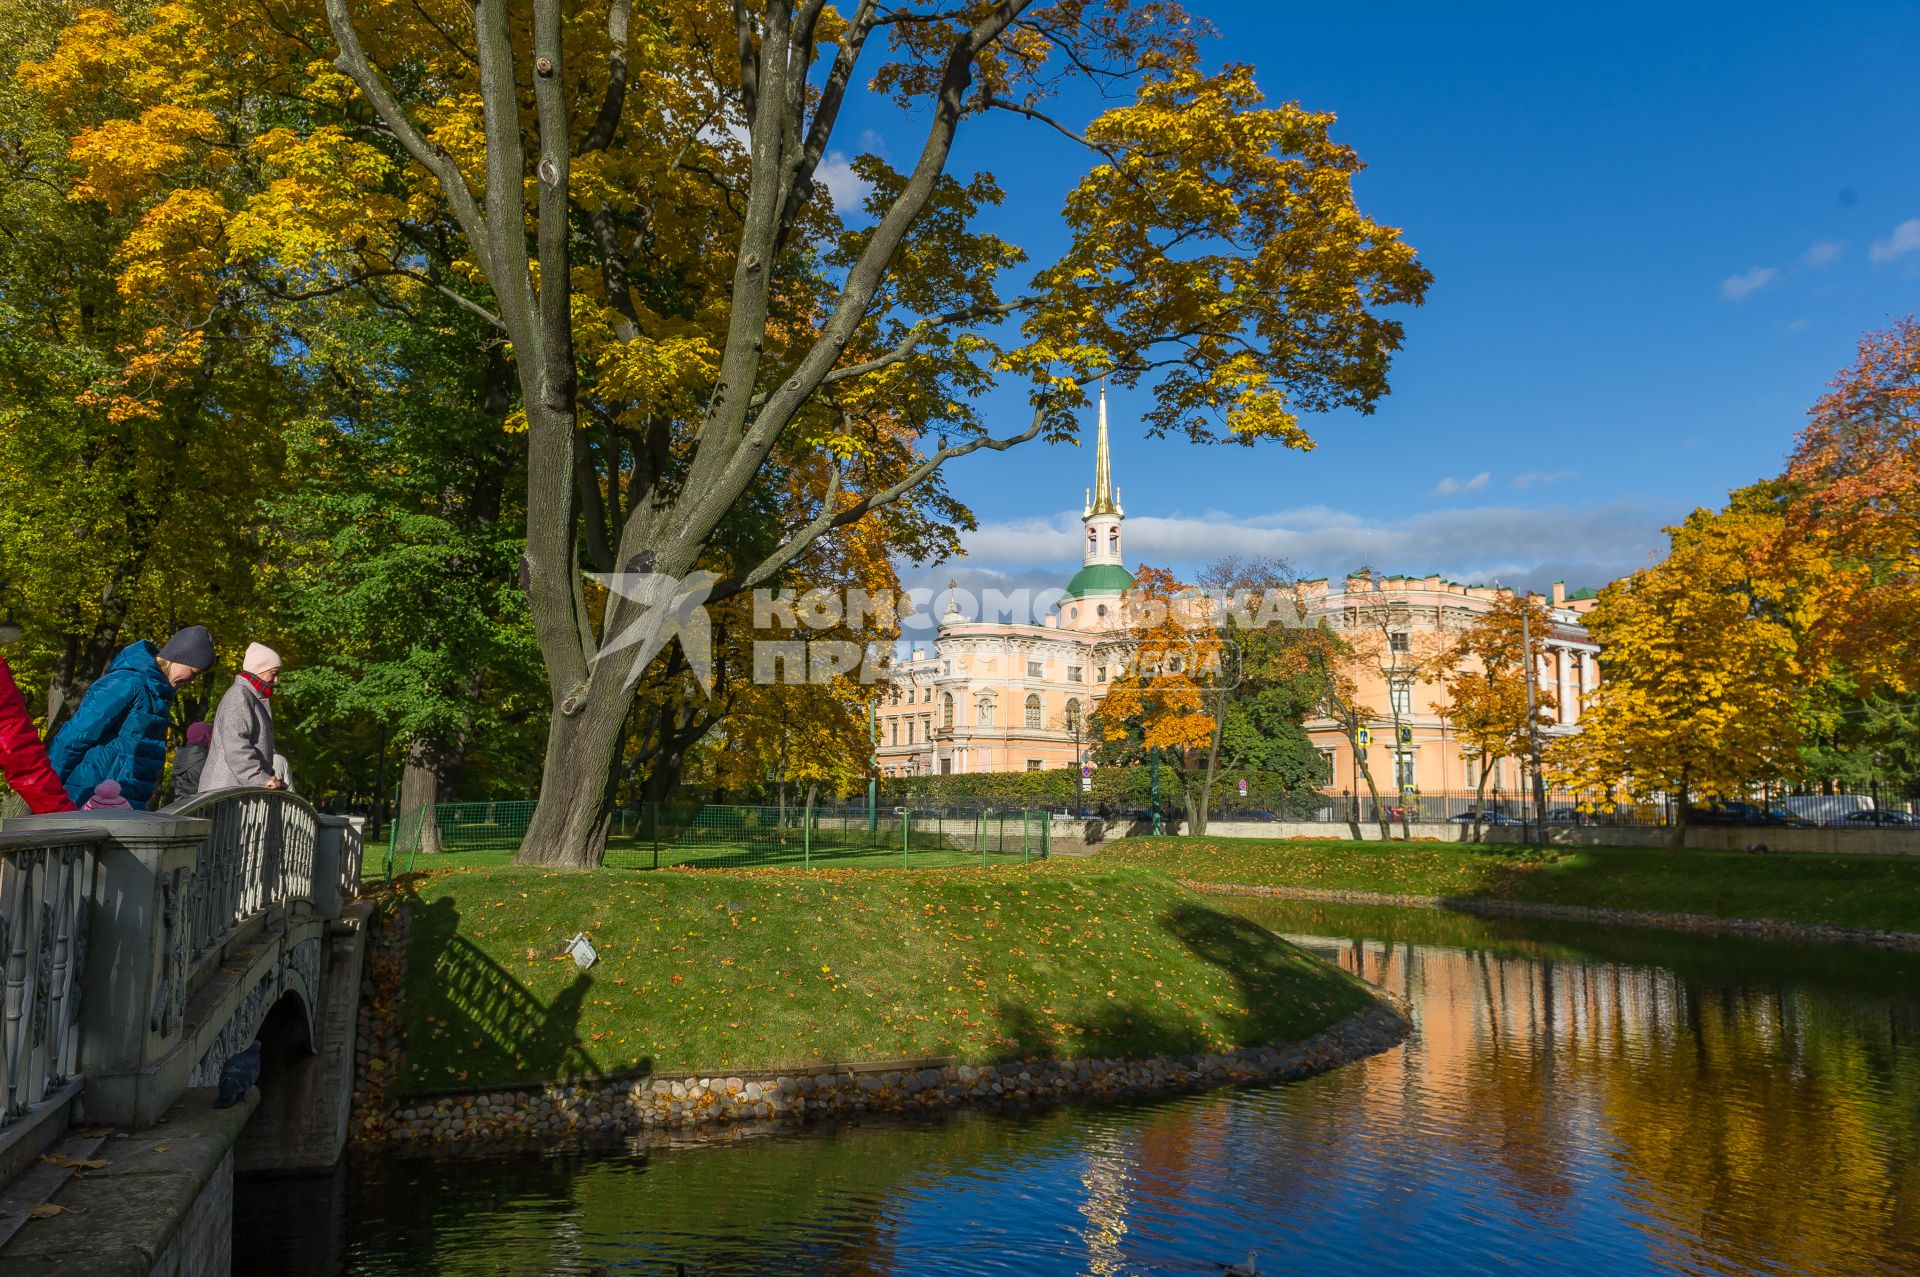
x=173 y=253
x=122 y=159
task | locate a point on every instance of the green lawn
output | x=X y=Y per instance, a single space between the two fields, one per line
x=1881 y=892
x=828 y=852
x=764 y=969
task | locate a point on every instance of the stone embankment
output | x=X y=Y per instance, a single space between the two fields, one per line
x=1760 y=928
x=588 y=1109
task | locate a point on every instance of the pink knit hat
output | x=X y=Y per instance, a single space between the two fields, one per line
x=261 y=660
x=106 y=797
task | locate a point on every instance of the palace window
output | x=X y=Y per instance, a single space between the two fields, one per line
x=1036 y=669
x=896 y=732
x=1073 y=717
x=1400 y=641
x=1036 y=764
x=1402 y=694
x=946 y=710
x=926 y=728
x=894 y=699
x=1099 y=673
x=1403 y=769
x=1033 y=713
x=1076 y=673
x=909 y=731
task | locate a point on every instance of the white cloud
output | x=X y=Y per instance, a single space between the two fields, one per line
x=1532 y=477
x=1799 y=325
x=1905 y=239
x=1583 y=546
x=1739 y=287
x=1822 y=251
x=849 y=189
x=1450 y=486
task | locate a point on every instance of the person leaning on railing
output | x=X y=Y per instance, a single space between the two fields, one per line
x=241 y=755
x=119 y=733
x=22 y=758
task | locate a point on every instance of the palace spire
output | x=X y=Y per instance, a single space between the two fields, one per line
x=1103 y=497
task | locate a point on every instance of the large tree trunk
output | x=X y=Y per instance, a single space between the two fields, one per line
x=419 y=793
x=569 y=826
x=1684 y=800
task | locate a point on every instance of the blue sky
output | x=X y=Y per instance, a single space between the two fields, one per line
x=1656 y=231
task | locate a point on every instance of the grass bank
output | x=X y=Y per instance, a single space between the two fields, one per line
x=1873 y=892
x=762 y=970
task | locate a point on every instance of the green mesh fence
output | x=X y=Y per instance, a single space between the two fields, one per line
x=695 y=835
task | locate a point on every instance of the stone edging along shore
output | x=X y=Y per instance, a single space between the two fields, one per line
x=588 y=1108
x=1815 y=932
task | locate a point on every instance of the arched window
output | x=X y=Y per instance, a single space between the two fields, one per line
x=946 y=710
x=1093 y=539
x=983 y=711
x=1113 y=541
x=1033 y=712
x=1073 y=717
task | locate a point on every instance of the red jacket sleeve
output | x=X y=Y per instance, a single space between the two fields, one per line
x=22 y=757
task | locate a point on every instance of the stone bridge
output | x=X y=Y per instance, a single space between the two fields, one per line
x=140 y=953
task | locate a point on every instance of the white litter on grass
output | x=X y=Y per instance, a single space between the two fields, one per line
x=581 y=950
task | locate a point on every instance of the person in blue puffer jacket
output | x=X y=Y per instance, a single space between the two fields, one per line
x=119 y=733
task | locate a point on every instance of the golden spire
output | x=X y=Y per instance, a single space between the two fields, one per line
x=1104 y=498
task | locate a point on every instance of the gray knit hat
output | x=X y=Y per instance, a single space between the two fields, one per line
x=192 y=647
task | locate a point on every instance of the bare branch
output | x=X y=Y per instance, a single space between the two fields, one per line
x=600 y=136
x=916 y=335
x=352 y=59
x=829 y=518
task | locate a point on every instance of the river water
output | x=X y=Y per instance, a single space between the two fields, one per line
x=1573 y=1100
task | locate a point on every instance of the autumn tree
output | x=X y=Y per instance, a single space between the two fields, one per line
x=1386 y=655
x=131 y=465
x=629 y=197
x=1851 y=493
x=1705 y=683
x=1163 y=702
x=1484 y=675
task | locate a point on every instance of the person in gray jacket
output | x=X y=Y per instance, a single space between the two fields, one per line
x=241 y=755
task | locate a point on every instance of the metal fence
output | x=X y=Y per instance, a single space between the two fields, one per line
x=1497 y=807
x=711 y=835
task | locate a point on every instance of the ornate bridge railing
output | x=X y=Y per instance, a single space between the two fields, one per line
x=199 y=919
x=45 y=883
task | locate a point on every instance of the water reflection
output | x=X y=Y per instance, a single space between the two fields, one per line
x=1572 y=1101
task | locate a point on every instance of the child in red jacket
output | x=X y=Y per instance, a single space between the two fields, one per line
x=22 y=758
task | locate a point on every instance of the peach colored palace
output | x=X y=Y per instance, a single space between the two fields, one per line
x=994 y=696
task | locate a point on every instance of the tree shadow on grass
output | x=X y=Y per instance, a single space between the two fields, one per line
x=471 y=1023
x=1289 y=992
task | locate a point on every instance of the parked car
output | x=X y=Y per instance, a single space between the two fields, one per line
x=1567 y=816
x=1738 y=813
x=1485 y=818
x=1877 y=817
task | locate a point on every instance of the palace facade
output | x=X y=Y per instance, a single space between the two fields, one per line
x=996 y=696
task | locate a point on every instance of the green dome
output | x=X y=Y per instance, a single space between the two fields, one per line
x=1099 y=578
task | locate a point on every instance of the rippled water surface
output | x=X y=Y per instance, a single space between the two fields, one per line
x=1573 y=1101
